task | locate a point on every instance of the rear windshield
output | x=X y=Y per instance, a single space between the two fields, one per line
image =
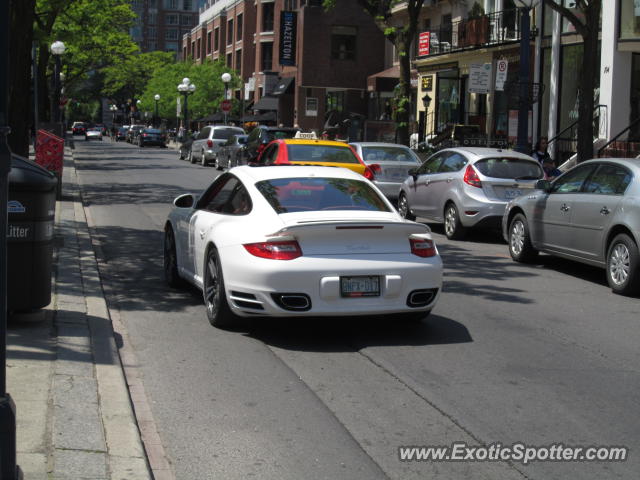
x=388 y=154
x=151 y=130
x=287 y=195
x=224 y=133
x=515 y=168
x=321 y=153
x=280 y=134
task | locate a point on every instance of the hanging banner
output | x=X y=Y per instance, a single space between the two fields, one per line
x=288 y=34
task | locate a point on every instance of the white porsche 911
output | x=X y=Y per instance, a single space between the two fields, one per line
x=300 y=241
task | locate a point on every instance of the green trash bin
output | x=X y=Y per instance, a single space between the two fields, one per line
x=31 y=212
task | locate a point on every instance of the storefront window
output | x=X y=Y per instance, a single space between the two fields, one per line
x=448 y=97
x=629 y=19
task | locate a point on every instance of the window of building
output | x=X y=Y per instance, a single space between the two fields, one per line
x=184 y=52
x=629 y=20
x=343 y=42
x=290 y=5
x=446 y=29
x=230 y=60
x=193 y=49
x=238 y=60
x=171 y=46
x=239 y=27
x=230 y=32
x=152 y=32
x=216 y=39
x=335 y=101
x=171 y=19
x=171 y=34
x=208 y=43
x=266 y=56
x=186 y=19
x=151 y=18
x=267 y=17
x=151 y=46
x=187 y=5
x=171 y=4
x=152 y=3
x=198 y=47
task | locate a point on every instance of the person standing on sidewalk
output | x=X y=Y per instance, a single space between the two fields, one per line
x=540 y=152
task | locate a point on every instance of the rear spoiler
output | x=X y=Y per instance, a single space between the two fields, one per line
x=407 y=226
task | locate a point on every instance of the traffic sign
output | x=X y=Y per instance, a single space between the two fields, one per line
x=225 y=106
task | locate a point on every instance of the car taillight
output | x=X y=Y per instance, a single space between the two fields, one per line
x=287 y=250
x=422 y=247
x=368 y=173
x=375 y=168
x=145 y=134
x=471 y=177
x=209 y=143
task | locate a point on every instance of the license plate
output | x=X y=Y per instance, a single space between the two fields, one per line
x=360 y=286
x=512 y=193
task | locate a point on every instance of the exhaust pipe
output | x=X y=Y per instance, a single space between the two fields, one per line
x=292 y=301
x=421 y=298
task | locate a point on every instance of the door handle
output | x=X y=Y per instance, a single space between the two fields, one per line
x=605 y=211
x=202 y=233
x=565 y=207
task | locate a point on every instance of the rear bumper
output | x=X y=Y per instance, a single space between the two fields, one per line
x=487 y=214
x=391 y=190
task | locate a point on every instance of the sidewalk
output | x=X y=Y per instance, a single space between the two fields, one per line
x=74 y=415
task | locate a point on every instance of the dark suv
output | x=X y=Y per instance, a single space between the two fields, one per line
x=258 y=139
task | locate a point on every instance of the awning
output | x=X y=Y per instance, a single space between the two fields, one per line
x=283 y=86
x=384 y=81
x=266 y=103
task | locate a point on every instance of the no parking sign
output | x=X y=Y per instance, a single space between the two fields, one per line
x=502 y=68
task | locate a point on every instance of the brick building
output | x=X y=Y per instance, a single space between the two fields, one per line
x=305 y=65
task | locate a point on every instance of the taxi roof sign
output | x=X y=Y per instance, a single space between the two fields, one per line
x=306 y=135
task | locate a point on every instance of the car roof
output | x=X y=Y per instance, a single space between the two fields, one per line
x=257 y=174
x=301 y=141
x=277 y=129
x=378 y=144
x=484 y=152
x=632 y=163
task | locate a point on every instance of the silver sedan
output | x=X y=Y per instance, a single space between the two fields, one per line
x=467 y=187
x=390 y=164
x=590 y=214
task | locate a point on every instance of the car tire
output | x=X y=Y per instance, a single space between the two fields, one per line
x=403 y=207
x=171 y=275
x=180 y=154
x=520 y=247
x=623 y=260
x=216 y=163
x=203 y=159
x=215 y=299
x=190 y=157
x=453 y=228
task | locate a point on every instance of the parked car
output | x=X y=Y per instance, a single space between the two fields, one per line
x=103 y=128
x=121 y=134
x=229 y=153
x=184 y=151
x=467 y=187
x=298 y=242
x=93 y=133
x=390 y=164
x=260 y=136
x=205 y=146
x=78 y=128
x=132 y=133
x=295 y=151
x=590 y=214
x=151 y=136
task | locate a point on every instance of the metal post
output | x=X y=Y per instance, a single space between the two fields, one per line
x=523 y=107
x=8 y=468
x=226 y=95
x=56 y=90
x=186 y=112
x=155 y=116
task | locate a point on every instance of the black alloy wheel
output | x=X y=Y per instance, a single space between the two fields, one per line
x=171 y=274
x=215 y=300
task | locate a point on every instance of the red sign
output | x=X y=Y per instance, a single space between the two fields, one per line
x=424 y=40
x=225 y=106
x=50 y=151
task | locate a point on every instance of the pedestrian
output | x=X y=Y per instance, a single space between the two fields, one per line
x=540 y=152
x=550 y=170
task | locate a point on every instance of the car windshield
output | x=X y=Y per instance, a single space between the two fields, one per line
x=287 y=195
x=224 y=133
x=504 y=167
x=321 y=153
x=151 y=130
x=122 y=130
x=388 y=154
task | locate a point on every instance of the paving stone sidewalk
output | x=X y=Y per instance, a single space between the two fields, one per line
x=74 y=415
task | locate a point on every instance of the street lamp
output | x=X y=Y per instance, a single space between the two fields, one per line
x=113 y=110
x=525 y=7
x=186 y=88
x=426 y=101
x=156 y=97
x=226 y=78
x=57 y=49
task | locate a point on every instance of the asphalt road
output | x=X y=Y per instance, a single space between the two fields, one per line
x=538 y=354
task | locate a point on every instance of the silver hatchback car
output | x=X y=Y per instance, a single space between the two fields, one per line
x=467 y=187
x=590 y=214
x=390 y=164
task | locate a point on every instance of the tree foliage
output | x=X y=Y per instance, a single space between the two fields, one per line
x=206 y=98
x=585 y=17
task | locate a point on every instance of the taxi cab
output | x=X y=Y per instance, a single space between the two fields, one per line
x=306 y=149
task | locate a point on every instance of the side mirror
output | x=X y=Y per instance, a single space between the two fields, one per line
x=184 y=201
x=413 y=172
x=543 y=185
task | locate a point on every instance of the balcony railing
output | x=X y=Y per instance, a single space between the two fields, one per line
x=487 y=30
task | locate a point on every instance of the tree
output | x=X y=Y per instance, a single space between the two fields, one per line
x=587 y=24
x=402 y=37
